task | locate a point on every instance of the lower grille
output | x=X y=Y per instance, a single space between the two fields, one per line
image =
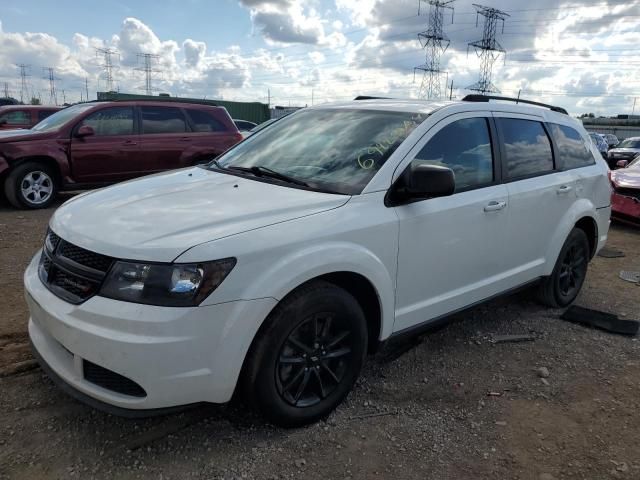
x=113 y=381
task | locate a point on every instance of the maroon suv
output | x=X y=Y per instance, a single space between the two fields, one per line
x=24 y=116
x=98 y=143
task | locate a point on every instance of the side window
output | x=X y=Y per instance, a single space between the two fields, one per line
x=111 y=121
x=42 y=114
x=17 y=117
x=162 y=120
x=205 y=122
x=463 y=146
x=527 y=147
x=572 y=151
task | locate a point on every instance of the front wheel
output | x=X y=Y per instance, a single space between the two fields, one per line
x=561 y=288
x=31 y=185
x=308 y=357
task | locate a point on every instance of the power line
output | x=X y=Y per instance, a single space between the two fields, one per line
x=23 y=81
x=488 y=49
x=107 y=66
x=148 y=70
x=53 y=96
x=435 y=43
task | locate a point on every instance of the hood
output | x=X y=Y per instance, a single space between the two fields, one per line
x=625 y=151
x=19 y=135
x=626 y=177
x=159 y=217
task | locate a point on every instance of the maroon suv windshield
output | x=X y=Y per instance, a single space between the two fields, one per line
x=58 y=119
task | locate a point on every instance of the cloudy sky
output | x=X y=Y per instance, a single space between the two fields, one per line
x=581 y=55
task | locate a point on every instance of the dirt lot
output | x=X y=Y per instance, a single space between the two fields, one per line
x=451 y=405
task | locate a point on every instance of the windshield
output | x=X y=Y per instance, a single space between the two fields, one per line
x=335 y=150
x=629 y=143
x=61 y=117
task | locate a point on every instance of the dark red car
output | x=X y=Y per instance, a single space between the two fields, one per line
x=625 y=201
x=99 y=143
x=24 y=116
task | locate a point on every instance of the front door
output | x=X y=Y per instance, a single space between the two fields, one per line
x=111 y=153
x=451 y=248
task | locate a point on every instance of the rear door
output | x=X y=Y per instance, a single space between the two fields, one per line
x=164 y=136
x=111 y=154
x=451 y=249
x=540 y=193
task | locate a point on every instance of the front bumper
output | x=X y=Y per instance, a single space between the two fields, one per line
x=178 y=356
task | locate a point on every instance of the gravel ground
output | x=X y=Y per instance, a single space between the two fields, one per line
x=449 y=405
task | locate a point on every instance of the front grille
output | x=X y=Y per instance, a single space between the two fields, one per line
x=84 y=257
x=71 y=272
x=113 y=381
x=628 y=192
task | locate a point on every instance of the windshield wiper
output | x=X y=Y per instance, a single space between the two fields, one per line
x=260 y=171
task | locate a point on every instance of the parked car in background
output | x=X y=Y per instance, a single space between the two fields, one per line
x=625 y=201
x=99 y=143
x=611 y=139
x=628 y=149
x=275 y=269
x=24 y=116
x=244 y=125
x=600 y=143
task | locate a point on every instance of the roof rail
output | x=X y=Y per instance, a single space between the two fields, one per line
x=486 y=98
x=366 y=97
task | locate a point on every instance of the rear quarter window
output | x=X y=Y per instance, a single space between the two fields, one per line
x=203 y=121
x=527 y=147
x=572 y=151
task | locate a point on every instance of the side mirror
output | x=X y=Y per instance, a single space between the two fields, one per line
x=422 y=182
x=622 y=163
x=3 y=121
x=85 y=131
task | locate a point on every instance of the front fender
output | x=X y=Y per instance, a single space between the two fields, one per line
x=580 y=209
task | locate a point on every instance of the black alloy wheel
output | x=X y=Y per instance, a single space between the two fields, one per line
x=313 y=360
x=307 y=355
x=562 y=287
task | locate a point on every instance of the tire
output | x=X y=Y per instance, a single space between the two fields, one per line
x=42 y=180
x=288 y=353
x=561 y=288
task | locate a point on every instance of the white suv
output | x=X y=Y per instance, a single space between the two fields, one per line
x=278 y=267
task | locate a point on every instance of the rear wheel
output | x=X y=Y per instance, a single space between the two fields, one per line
x=563 y=285
x=308 y=357
x=31 y=185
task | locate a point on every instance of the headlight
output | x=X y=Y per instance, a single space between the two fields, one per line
x=169 y=285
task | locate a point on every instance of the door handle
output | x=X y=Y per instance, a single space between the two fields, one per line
x=185 y=139
x=129 y=143
x=564 y=189
x=495 y=206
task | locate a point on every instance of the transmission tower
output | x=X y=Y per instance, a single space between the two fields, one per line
x=49 y=75
x=488 y=49
x=148 y=70
x=106 y=54
x=24 y=90
x=435 y=43
x=6 y=89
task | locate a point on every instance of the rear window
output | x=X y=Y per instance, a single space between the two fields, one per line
x=527 y=147
x=203 y=121
x=572 y=150
x=163 y=120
